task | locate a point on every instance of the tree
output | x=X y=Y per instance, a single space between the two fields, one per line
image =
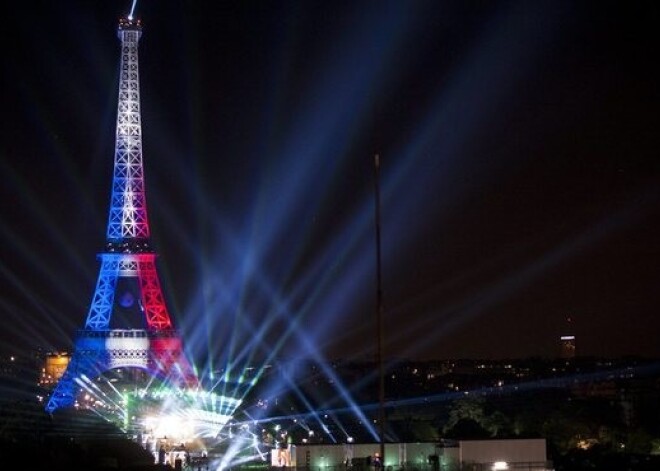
x=468 y=418
x=466 y=409
x=467 y=429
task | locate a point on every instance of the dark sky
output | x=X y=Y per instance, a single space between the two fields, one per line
x=519 y=182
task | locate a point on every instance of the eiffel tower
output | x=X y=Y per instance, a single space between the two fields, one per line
x=128 y=290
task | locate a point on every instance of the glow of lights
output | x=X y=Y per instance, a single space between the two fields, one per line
x=500 y=465
x=316 y=137
x=171 y=426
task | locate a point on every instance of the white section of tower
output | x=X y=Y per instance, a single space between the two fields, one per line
x=128 y=209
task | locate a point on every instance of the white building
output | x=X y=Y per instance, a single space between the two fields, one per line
x=472 y=455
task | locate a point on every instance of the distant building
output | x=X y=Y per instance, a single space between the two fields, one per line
x=54 y=366
x=527 y=454
x=567 y=346
x=567 y=341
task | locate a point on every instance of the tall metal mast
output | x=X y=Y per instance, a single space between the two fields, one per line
x=379 y=318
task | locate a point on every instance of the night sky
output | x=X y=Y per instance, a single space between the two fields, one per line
x=519 y=182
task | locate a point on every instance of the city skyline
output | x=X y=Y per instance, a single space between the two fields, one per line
x=519 y=175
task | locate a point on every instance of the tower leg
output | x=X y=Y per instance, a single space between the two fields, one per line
x=88 y=360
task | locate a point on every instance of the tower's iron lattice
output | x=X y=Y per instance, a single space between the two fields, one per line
x=128 y=288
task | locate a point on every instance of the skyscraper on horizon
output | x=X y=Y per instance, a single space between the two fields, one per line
x=567 y=341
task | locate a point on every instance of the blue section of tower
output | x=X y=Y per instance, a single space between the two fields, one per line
x=104 y=294
x=90 y=359
x=97 y=347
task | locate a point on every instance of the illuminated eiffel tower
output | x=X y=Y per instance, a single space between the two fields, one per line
x=128 y=290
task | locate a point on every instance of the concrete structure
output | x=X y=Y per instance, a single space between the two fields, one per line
x=396 y=454
x=527 y=454
x=472 y=455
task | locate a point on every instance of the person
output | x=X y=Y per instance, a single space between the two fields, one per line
x=284 y=450
x=161 y=455
x=281 y=452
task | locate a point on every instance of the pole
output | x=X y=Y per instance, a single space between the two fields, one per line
x=379 y=319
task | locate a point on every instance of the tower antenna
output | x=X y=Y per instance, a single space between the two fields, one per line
x=132 y=13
